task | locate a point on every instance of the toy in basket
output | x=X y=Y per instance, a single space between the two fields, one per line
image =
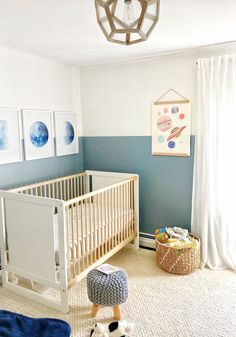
x=177 y=250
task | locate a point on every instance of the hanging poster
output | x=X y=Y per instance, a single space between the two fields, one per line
x=38 y=134
x=66 y=133
x=10 y=140
x=171 y=128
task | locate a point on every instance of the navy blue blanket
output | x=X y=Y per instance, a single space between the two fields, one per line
x=16 y=325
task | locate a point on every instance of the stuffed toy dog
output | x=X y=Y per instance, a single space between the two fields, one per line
x=113 y=329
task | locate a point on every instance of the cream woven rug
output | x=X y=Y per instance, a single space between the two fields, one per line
x=202 y=304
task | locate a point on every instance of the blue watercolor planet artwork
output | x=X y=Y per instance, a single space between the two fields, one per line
x=38 y=134
x=69 y=133
x=3 y=135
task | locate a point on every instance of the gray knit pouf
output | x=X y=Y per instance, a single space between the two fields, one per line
x=107 y=290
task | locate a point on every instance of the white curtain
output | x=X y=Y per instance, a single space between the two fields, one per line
x=214 y=185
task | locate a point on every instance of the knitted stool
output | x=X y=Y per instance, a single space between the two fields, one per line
x=107 y=290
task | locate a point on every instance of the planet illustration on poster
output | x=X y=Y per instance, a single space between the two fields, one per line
x=175 y=109
x=38 y=134
x=3 y=135
x=171 y=145
x=164 y=123
x=176 y=132
x=161 y=139
x=69 y=133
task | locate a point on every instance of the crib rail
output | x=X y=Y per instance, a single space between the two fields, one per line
x=64 y=188
x=98 y=223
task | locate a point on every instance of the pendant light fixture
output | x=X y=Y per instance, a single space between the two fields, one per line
x=127 y=21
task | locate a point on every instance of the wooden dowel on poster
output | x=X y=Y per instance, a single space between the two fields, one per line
x=182 y=100
x=172 y=102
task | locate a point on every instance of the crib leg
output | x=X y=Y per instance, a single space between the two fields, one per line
x=136 y=243
x=64 y=301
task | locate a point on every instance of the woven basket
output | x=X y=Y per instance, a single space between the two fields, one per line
x=178 y=261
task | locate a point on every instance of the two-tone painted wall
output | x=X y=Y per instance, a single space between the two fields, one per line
x=116 y=118
x=116 y=105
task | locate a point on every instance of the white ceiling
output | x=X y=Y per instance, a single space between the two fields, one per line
x=67 y=31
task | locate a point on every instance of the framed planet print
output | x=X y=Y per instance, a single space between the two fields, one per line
x=171 y=127
x=38 y=134
x=10 y=138
x=66 y=133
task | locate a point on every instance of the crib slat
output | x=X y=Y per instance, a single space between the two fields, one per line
x=129 y=208
x=90 y=232
x=84 y=185
x=86 y=232
x=126 y=210
x=113 y=218
x=81 y=185
x=71 y=195
x=98 y=228
x=68 y=242
x=74 y=192
x=109 y=220
x=82 y=235
x=116 y=216
x=105 y=220
x=57 y=195
x=94 y=233
x=47 y=187
x=123 y=212
x=77 y=236
x=64 y=190
x=68 y=188
x=53 y=190
x=119 y=209
x=101 y=223
x=132 y=207
x=73 y=240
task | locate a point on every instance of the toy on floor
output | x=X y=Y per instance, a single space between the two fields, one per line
x=113 y=329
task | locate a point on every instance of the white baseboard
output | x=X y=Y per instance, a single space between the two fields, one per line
x=147 y=242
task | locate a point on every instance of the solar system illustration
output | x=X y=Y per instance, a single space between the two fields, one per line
x=171 y=128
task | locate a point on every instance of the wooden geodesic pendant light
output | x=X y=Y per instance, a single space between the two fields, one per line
x=127 y=21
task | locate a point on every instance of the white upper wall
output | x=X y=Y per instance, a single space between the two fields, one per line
x=116 y=99
x=32 y=82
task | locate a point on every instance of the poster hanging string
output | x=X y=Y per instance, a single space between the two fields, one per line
x=182 y=100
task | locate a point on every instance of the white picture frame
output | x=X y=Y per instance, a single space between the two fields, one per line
x=10 y=136
x=66 y=133
x=38 y=134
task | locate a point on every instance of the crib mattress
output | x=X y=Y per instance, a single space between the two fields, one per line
x=88 y=227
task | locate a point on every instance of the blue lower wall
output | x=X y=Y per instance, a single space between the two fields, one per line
x=21 y=173
x=165 y=182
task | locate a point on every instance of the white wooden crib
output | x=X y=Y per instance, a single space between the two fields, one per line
x=54 y=232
